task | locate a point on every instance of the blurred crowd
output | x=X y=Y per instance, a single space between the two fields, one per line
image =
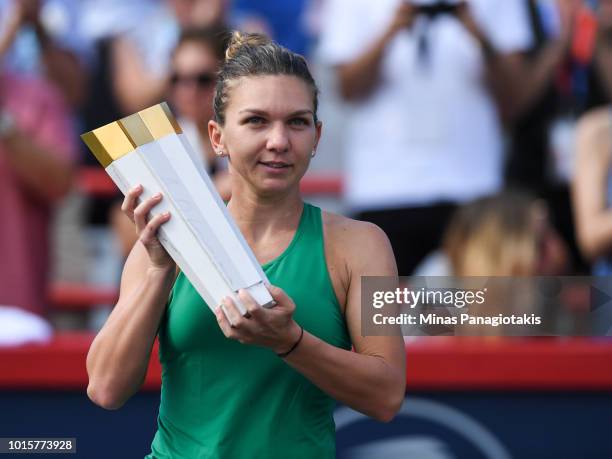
x=477 y=134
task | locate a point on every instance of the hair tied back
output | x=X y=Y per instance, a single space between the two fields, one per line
x=239 y=40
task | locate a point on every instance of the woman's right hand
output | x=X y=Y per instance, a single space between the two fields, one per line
x=147 y=230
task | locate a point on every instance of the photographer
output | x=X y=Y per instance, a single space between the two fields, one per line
x=428 y=83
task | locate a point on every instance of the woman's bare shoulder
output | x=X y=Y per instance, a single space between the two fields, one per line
x=342 y=227
x=349 y=244
x=353 y=238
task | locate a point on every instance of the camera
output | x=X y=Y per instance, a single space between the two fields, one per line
x=436 y=8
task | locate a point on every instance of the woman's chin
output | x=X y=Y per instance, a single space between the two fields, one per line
x=276 y=186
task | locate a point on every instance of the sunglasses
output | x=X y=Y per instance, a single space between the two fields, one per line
x=201 y=79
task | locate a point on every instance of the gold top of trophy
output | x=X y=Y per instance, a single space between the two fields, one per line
x=108 y=143
x=114 y=140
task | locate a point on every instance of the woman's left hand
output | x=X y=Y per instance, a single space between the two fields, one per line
x=273 y=328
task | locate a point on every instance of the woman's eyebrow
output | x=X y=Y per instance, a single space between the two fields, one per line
x=263 y=112
x=301 y=112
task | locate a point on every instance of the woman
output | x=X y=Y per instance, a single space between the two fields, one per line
x=224 y=391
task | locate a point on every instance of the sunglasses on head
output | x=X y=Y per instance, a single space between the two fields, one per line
x=201 y=79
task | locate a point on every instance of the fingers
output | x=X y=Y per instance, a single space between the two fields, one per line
x=278 y=294
x=283 y=301
x=259 y=326
x=149 y=234
x=224 y=324
x=230 y=321
x=233 y=314
x=233 y=324
x=249 y=303
x=143 y=209
x=139 y=213
x=129 y=202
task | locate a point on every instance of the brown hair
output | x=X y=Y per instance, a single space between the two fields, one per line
x=495 y=236
x=215 y=37
x=250 y=54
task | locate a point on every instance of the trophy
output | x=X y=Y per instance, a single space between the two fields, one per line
x=149 y=148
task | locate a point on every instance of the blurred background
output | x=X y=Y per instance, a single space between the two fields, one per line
x=477 y=134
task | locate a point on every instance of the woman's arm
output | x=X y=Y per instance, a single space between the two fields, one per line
x=371 y=379
x=119 y=355
x=590 y=187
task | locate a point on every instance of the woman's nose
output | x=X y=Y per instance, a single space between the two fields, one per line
x=278 y=138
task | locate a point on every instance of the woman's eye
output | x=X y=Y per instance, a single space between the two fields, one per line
x=255 y=120
x=299 y=122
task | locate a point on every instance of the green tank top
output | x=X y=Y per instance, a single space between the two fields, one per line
x=223 y=399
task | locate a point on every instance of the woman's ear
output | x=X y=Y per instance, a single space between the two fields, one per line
x=318 y=131
x=215 y=133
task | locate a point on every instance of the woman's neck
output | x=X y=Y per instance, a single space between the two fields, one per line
x=259 y=217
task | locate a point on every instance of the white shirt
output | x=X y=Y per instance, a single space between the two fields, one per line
x=425 y=134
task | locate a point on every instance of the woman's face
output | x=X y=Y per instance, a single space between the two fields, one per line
x=269 y=132
x=192 y=82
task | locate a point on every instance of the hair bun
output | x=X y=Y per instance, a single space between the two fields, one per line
x=239 y=40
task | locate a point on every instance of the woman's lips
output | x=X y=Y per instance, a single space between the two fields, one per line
x=275 y=166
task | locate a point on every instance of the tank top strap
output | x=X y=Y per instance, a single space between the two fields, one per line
x=303 y=273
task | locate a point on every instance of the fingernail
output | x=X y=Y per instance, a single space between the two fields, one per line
x=157 y=195
x=166 y=214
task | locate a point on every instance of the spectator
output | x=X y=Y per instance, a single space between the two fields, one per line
x=194 y=66
x=195 y=63
x=425 y=92
x=133 y=42
x=283 y=21
x=45 y=42
x=540 y=147
x=599 y=77
x=36 y=153
x=539 y=103
x=508 y=234
x=141 y=57
x=592 y=190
